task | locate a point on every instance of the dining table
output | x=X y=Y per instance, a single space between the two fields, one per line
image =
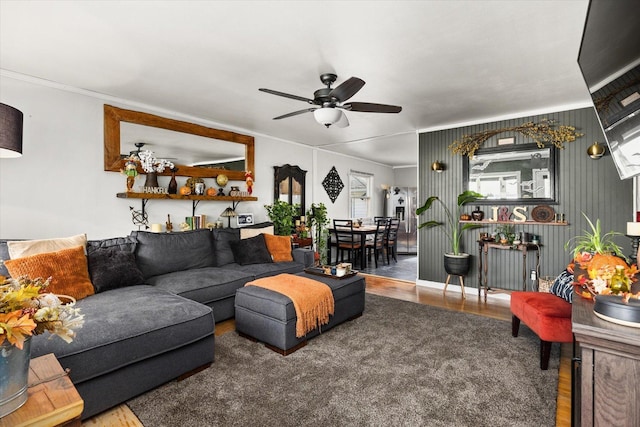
x=363 y=231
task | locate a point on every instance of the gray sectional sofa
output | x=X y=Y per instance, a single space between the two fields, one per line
x=152 y=318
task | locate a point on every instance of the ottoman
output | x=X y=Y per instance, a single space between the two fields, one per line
x=269 y=317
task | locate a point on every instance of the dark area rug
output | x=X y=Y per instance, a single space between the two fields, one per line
x=400 y=364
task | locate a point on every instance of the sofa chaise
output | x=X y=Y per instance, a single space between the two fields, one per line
x=152 y=316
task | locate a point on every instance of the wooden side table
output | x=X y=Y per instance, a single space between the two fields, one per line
x=52 y=401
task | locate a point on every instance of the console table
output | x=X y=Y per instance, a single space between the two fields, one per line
x=483 y=264
x=607 y=372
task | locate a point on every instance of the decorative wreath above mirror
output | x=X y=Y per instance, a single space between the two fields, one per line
x=542 y=133
x=210 y=151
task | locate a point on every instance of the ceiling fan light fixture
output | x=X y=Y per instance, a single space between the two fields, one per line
x=327 y=116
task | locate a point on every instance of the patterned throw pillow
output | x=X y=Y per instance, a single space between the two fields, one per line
x=67 y=268
x=563 y=286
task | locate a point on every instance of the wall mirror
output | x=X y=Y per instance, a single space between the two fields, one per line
x=521 y=173
x=289 y=185
x=197 y=151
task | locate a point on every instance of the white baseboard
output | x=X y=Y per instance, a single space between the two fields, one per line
x=453 y=287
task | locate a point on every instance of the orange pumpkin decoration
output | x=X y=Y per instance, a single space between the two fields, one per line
x=604 y=266
x=211 y=191
x=185 y=191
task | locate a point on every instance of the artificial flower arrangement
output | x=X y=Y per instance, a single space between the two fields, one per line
x=25 y=309
x=604 y=274
x=150 y=163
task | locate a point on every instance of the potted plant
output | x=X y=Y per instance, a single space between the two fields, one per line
x=318 y=221
x=455 y=262
x=593 y=241
x=26 y=309
x=281 y=213
x=505 y=233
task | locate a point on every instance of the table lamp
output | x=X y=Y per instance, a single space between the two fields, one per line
x=228 y=213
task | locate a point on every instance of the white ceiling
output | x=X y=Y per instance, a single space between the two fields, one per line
x=444 y=62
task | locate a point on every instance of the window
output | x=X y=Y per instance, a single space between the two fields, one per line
x=360 y=194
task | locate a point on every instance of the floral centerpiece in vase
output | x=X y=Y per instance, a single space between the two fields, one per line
x=597 y=267
x=153 y=166
x=25 y=310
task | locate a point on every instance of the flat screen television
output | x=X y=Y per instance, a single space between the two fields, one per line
x=609 y=59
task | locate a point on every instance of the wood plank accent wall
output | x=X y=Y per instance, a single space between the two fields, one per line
x=584 y=185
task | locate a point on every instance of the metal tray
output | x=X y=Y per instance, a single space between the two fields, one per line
x=318 y=271
x=611 y=308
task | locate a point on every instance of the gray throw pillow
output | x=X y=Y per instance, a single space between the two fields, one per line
x=123 y=244
x=251 y=251
x=110 y=268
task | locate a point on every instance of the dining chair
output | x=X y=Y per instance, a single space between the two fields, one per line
x=391 y=240
x=346 y=240
x=376 y=244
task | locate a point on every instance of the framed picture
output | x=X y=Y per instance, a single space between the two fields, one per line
x=507 y=141
x=244 y=219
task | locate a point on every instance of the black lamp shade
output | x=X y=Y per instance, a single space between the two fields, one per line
x=10 y=131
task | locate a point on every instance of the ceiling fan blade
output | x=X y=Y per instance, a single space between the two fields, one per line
x=295 y=113
x=368 y=107
x=287 y=95
x=347 y=89
x=343 y=122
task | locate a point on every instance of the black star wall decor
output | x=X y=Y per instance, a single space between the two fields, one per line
x=332 y=184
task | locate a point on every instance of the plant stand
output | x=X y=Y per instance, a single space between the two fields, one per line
x=461 y=278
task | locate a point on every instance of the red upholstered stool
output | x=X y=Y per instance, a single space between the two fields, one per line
x=545 y=314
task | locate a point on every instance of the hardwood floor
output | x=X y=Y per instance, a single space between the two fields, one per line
x=495 y=308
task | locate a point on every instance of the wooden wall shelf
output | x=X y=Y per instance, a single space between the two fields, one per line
x=145 y=197
x=132 y=195
x=489 y=222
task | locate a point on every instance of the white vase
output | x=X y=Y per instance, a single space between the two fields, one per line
x=14 y=375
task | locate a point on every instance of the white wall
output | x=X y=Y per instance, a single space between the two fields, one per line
x=58 y=187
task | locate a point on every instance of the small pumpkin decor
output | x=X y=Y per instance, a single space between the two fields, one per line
x=211 y=191
x=597 y=268
x=185 y=190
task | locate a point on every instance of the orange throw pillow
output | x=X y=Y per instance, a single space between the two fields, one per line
x=67 y=268
x=279 y=247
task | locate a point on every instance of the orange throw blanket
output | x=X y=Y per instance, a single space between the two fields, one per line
x=312 y=300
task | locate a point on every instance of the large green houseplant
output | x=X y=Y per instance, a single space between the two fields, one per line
x=282 y=213
x=318 y=220
x=456 y=262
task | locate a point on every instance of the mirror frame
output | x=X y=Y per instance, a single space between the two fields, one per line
x=113 y=162
x=292 y=172
x=553 y=167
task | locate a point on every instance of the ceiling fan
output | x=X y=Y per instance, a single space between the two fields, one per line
x=329 y=102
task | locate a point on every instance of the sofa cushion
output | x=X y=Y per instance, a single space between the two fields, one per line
x=110 y=268
x=279 y=247
x=161 y=253
x=22 y=248
x=254 y=230
x=126 y=326
x=4 y=256
x=251 y=251
x=267 y=269
x=221 y=239
x=67 y=268
x=205 y=285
